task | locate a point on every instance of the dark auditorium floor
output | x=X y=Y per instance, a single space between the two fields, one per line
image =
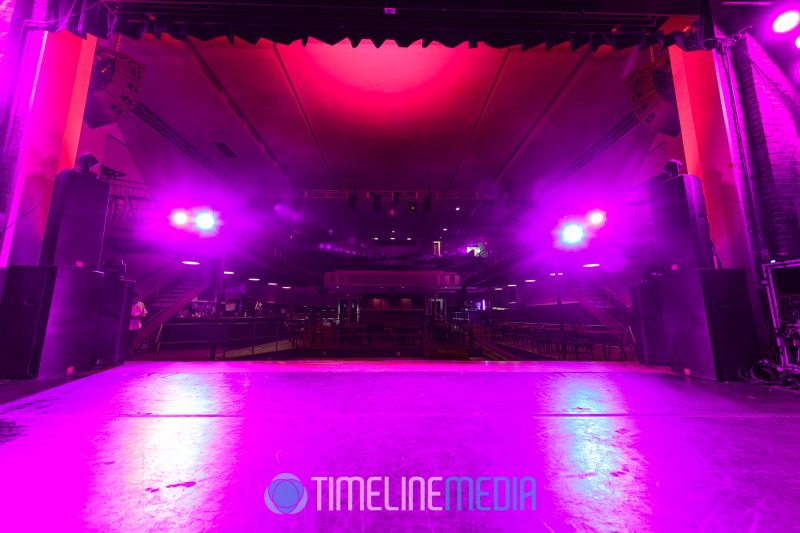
x=191 y=446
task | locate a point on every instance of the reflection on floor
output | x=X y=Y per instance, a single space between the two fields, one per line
x=193 y=446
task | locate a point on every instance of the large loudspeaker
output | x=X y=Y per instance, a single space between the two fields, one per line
x=652 y=94
x=113 y=319
x=76 y=221
x=709 y=325
x=47 y=321
x=114 y=88
x=680 y=225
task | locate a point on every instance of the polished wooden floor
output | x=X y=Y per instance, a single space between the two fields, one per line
x=193 y=446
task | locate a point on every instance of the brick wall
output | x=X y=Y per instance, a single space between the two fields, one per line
x=768 y=111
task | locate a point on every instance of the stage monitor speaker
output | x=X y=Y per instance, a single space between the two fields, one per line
x=47 y=321
x=652 y=95
x=76 y=221
x=114 y=88
x=113 y=319
x=648 y=324
x=680 y=225
x=709 y=326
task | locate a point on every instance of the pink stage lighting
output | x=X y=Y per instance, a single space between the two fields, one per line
x=597 y=217
x=572 y=234
x=786 y=22
x=205 y=221
x=179 y=218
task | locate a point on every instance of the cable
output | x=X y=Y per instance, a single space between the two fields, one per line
x=725 y=53
x=38 y=204
x=46 y=23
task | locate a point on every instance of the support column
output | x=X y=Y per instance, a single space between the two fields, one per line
x=711 y=151
x=41 y=132
x=709 y=156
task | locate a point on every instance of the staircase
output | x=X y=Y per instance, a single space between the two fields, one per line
x=606 y=302
x=168 y=298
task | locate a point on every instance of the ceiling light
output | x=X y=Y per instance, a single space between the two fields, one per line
x=530 y=281
x=190 y=263
x=179 y=218
x=408 y=238
x=498 y=288
x=253 y=279
x=285 y=287
x=786 y=22
x=458 y=209
x=597 y=217
x=229 y=273
x=272 y=284
x=444 y=229
x=591 y=265
x=512 y=284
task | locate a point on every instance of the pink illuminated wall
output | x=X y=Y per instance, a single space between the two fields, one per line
x=49 y=100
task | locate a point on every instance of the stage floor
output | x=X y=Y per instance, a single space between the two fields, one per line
x=193 y=446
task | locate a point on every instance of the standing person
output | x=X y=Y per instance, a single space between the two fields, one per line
x=138 y=312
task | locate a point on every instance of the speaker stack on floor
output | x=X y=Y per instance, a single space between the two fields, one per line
x=689 y=316
x=63 y=316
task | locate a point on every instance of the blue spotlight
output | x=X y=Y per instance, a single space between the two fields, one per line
x=205 y=221
x=572 y=234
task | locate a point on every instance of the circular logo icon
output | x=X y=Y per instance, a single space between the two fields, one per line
x=285 y=495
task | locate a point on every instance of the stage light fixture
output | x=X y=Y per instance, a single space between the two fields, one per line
x=253 y=279
x=512 y=284
x=530 y=281
x=286 y=287
x=229 y=273
x=597 y=217
x=192 y=263
x=572 y=234
x=179 y=218
x=205 y=220
x=786 y=22
x=591 y=265
x=272 y=284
